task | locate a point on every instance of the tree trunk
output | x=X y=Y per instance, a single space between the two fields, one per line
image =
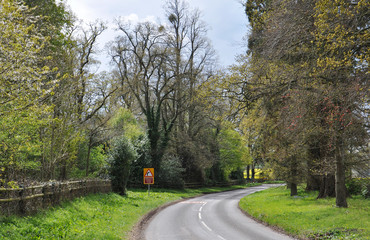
x=313 y=182
x=88 y=158
x=248 y=174
x=63 y=170
x=327 y=186
x=253 y=172
x=293 y=189
x=340 y=186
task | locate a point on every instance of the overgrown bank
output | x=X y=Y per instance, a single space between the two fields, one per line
x=310 y=218
x=100 y=216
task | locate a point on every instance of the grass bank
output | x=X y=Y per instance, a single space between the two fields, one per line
x=100 y=216
x=309 y=218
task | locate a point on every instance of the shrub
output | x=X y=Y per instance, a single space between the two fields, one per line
x=171 y=172
x=237 y=175
x=142 y=147
x=359 y=186
x=121 y=156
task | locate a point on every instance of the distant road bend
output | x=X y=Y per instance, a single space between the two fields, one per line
x=210 y=217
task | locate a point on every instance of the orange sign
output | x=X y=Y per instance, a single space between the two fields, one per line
x=148 y=175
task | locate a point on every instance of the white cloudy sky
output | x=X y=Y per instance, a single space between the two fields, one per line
x=225 y=18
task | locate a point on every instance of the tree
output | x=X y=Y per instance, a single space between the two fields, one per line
x=234 y=153
x=287 y=39
x=140 y=55
x=192 y=63
x=341 y=36
x=24 y=88
x=121 y=156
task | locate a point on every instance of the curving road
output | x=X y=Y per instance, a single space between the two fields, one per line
x=210 y=217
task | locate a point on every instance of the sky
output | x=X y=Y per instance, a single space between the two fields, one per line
x=226 y=20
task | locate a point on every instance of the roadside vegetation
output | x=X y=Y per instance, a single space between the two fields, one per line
x=307 y=217
x=295 y=106
x=100 y=216
x=63 y=119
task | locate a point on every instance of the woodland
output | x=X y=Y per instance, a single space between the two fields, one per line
x=295 y=103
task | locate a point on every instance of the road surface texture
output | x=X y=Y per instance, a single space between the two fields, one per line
x=209 y=217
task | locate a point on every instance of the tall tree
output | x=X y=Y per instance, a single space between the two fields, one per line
x=286 y=41
x=140 y=55
x=342 y=33
x=24 y=87
x=192 y=63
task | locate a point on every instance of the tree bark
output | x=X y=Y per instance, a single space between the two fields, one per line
x=293 y=189
x=340 y=187
x=313 y=182
x=253 y=172
x=327 y=186
x=88 y=156
x=248 y=169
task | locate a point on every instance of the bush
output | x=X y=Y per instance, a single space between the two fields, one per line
x=359 y=186
x=238 y=175
x=171 y=172
x=142 y=147
x=121 y=156
x=215 y=175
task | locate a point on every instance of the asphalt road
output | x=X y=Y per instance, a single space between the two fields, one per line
x=212 y=217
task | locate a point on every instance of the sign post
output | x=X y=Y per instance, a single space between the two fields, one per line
x=148 y=176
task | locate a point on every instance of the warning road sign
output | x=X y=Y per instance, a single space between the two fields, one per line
x=148 y=175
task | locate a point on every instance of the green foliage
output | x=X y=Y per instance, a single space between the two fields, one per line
x=234 y=154
x=215 y=174
x=24 y=86
x=125 y=123
x=142 y=161
x=121 y=156
x=308 y=217
x=359 y=186
x=171 y=175
x=306 y=72
x=98 y=160
x=256 y=11
x=238 y=175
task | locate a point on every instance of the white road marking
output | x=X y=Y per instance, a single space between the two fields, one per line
x=200 y=210
x=205 y=225
x=221 y=237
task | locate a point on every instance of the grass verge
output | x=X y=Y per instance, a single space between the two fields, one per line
x=99 y=216
x=308 y=218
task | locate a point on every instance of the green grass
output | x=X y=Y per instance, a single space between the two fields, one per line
x=100 y=216
x=306 y=217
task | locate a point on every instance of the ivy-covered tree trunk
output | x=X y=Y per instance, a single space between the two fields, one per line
x=158 y=136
